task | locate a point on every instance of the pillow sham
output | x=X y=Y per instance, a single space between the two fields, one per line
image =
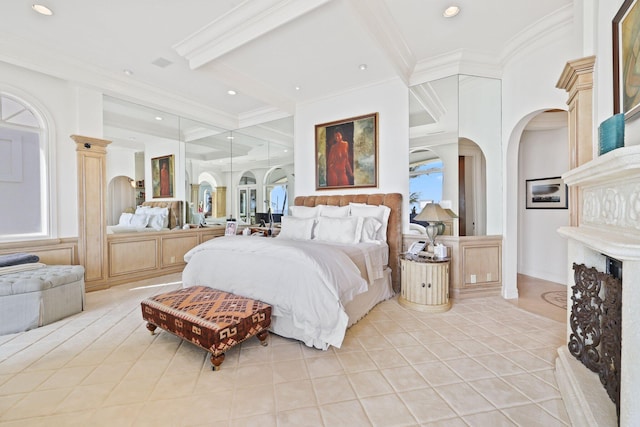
x=139 y=220
x=296 y=228
x=370 y=228
x=125 y=219
x=339 y=230
x=158 y=217
x=334 y=211
x=304 y=211
x=379 y=212
x=158 y=222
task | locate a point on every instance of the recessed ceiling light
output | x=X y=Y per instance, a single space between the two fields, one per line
x=42 y=9
x=297 y=87
x=127 y=71
x=451 y=11
x=158 y=118
x=230 y=137
x=362 y=67
x=231 y=92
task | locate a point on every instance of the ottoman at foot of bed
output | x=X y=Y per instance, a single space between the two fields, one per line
x=211 y=319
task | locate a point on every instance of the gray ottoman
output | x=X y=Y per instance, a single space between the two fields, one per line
x=33 y=298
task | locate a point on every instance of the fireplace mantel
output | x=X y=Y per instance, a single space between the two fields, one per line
x=608 y=212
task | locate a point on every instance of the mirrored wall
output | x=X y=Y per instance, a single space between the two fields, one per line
x=455 y=151
x=217 y=173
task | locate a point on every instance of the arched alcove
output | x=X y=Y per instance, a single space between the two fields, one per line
x=121 y=197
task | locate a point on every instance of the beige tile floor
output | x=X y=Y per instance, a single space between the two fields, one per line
x=485 y=362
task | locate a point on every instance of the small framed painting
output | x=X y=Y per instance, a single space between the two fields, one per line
x=626 y=61
x=546 y=193
x=347 y=153
x=162 y=173
x=231 y=228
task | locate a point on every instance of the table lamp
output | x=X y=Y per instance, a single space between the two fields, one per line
x=434 y=214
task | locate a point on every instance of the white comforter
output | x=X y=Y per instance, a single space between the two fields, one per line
x=307 y=282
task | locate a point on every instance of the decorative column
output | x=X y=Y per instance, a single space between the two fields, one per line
x=577 y=80
x=92 y=223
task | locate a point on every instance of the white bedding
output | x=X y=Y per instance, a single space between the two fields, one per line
x=308 y=283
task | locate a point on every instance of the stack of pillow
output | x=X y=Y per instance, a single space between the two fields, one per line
x=146 y=217
x=352 y=223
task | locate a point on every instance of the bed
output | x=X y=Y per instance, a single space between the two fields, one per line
x=150 y=216
x=318 y=288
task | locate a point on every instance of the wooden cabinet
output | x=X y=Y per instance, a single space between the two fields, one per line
x=136 y=256
x=425 y=285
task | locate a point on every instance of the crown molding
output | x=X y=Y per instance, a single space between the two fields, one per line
x=261 y=115
x=380 y=23
x=21 y=53
x=461 y=61
x=540 y=33
x=485 y=64
x=244 y=23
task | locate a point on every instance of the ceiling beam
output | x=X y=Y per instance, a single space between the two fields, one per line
x=380 y=23
x=244 y=23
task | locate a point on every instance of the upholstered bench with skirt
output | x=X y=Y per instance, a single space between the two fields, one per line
x=40 y=296
x=211 y=319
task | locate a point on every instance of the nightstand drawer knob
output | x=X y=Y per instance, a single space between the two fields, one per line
x=423 y=285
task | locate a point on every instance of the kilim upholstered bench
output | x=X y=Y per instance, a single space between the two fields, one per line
x=211 y=319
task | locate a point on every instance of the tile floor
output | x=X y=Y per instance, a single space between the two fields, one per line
x=485 y=362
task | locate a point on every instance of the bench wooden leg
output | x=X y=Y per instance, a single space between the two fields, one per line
x=151 y=327
x=216 y=361
x=262 y=336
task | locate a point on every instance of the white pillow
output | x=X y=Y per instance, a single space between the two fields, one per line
x=158 y=222
x=370 y=228
x=162 y=214
x=296 y=228
x=304 y=211
x=125 y=219
x=339 y=230
x=139 y=220
x=379 y=212
x=334 y=211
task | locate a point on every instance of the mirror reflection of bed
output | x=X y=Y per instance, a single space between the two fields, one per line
x=334 y=259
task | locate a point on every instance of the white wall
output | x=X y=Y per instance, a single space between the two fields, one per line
x=528 y=87
x=542 y=252
x=121 y=161
x=391 y=100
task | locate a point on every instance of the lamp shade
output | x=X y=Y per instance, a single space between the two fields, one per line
x=433 y=212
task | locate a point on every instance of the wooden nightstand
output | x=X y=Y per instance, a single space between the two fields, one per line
x=424 y=284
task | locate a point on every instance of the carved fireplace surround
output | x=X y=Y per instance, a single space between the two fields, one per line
x=608 y=194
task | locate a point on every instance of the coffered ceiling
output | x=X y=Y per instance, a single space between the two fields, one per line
x=272 y=53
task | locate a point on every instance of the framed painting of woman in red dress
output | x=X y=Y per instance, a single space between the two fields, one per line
x=347 y=153
x=162 y=173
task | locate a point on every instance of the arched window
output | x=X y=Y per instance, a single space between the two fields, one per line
x=24 y=175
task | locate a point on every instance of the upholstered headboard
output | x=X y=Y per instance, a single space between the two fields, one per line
x=175 y=210
x=394 y=227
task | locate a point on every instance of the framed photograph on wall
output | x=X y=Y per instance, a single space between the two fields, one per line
x=347 y=153
x=162 y=173
x=626 y=60
x=546 y=193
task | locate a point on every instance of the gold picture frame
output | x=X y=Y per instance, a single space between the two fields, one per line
x=347 y=153
x=162 y=176
x=626 y=60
